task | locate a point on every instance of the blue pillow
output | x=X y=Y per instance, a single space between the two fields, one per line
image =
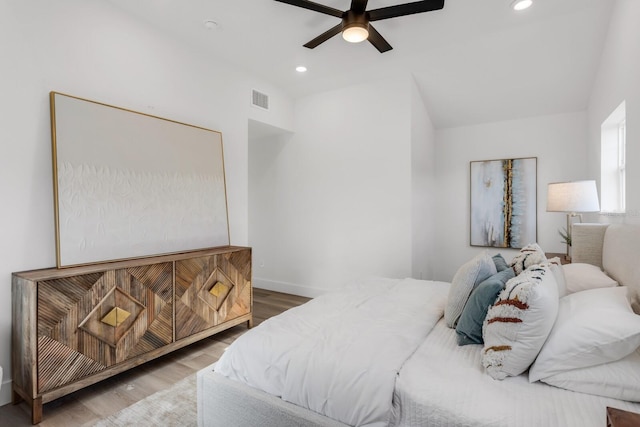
x=500 y=263
x=469 y=327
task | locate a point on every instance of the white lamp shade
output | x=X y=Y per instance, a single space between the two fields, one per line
x=576 y=196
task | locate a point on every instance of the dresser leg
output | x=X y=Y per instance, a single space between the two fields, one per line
x=15 y=397
x=36 y=410
x=250 y=323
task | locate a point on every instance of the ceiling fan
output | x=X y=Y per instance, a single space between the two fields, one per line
x=355 y=25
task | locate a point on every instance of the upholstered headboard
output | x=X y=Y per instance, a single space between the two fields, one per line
x=613 y=247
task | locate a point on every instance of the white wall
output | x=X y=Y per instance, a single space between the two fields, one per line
x=267 y=211
x=618 y=80
x=334 y=200
x=423 y=180
x=91 y=50
x=557 y=141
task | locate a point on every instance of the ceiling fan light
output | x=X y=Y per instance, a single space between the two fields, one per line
x=521 y=4
x=355 y=34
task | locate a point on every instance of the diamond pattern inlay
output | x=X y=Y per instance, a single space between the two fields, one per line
x=106 y=332
x=73 y=340
x=211 y=290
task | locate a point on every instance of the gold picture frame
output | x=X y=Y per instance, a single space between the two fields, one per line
x=503 y=205
x=129 y=185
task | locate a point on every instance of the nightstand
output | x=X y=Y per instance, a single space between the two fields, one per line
x=620 y=418
x=563 y=257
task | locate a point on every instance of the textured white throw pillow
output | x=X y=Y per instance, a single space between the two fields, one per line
x=619 y=379
x=581 y=277
x=519 y=322
x=530 y=255
x=593 y=327
x=469 y=275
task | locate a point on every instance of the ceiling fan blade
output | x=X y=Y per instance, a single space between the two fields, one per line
x=324 y=36
x=359 y=6
x=378 y=41
x=405 y=9
x=315 y=7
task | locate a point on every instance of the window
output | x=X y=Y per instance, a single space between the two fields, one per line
x=613 y=161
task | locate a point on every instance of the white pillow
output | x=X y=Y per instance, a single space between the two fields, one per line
x=558 y=273
x=581 y=277
x=519 y=322
x=619 y=379
x=593 y=327
x=467 y=276
x=531 y=254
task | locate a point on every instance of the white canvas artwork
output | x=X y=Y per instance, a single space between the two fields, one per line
x=504 y=202
x=130 y=185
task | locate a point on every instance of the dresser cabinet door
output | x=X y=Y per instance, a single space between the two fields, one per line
x=211 y=290
x=90 y=322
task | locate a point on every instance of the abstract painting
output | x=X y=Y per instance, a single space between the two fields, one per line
x=503 y=202
x=129 y=185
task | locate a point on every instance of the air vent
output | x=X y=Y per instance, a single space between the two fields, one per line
x=259 y=99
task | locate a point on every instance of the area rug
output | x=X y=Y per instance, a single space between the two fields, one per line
x=175 y=406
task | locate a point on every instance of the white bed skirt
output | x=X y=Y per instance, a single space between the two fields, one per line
x=218 y=399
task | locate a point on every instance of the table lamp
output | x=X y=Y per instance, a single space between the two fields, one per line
x=574 y=198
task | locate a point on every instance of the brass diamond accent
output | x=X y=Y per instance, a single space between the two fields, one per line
x=216 y=289
x=219 y=289
x=115 y=317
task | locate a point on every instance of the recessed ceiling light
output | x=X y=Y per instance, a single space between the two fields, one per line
x=210 y=24
x=521 y=4
x=301 y=69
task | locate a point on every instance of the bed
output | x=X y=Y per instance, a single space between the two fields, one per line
x=382 y=352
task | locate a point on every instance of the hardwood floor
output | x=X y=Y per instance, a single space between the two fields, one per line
x=85 y=407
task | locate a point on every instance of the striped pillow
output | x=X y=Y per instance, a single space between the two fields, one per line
x=531 y=254
x=519 y=322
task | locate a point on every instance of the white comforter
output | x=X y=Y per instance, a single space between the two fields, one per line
x=342 y=357
x=443 y=385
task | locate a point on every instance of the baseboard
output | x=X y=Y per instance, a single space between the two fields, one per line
x=288 y=288
x=5 y=392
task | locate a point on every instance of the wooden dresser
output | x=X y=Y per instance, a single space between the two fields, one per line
x=76 y=326
x=621 y=418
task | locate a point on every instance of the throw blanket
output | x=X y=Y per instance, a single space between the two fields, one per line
x=340 y=354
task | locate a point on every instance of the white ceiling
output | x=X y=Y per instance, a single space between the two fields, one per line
x=475 y=61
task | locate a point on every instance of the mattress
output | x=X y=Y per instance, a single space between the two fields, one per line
x=443 y=384
x=320 y=356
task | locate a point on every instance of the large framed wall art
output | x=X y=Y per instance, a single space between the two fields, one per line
x=504 y=202
x=129 y=185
